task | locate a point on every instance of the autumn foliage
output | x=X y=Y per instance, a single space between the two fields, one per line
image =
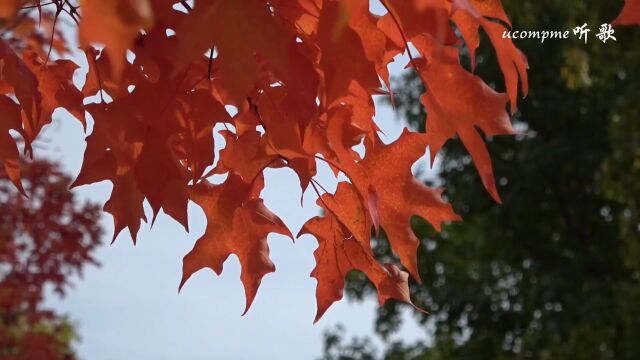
x=288 y=83
x=44 y=241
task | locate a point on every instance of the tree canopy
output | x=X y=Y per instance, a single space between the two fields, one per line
x=45 y=240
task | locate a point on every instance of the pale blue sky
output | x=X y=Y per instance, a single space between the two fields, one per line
x=129 y=308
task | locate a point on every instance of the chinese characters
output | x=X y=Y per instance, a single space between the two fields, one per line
x=582 y=31
x=605 y=34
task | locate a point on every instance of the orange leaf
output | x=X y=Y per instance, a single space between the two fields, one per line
x=56 y=88
x=255 y=32
x=456 y=103
x=237 y=223
x=512 y=61
x=22 y=81
x=9 y=8
x=114 y=23
x=9 y=156
x=400 y=195
x=630 y=14
x=343 y=236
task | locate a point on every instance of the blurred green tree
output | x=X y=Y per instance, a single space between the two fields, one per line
x=553 y=272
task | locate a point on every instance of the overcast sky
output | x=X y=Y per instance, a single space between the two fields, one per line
x=129 y=308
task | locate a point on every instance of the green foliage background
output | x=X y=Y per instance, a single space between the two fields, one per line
x=553 y=272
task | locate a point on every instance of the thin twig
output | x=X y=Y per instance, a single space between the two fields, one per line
x=256 y=112
x=73 y=11
x=210 y=63
x=322 y=200
x=321 y=187
x=404 y=38
x=53 y=31
x=186 y=5
x=95 y=64
x=37 y=6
